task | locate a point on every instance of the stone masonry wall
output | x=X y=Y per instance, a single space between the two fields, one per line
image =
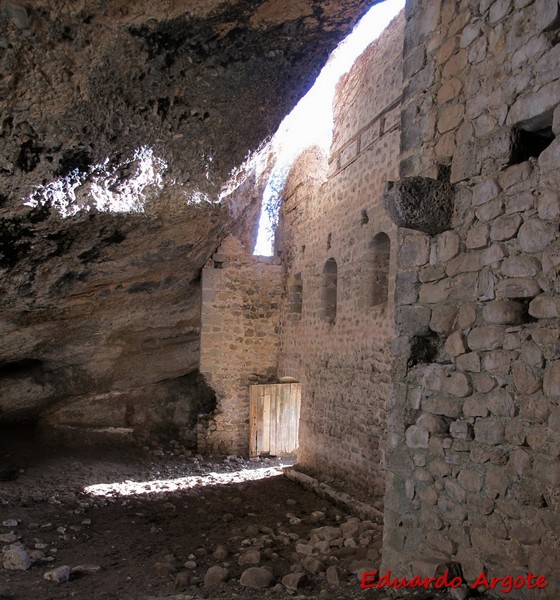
x=241 y=297
x=332 y=210
x=474 y=419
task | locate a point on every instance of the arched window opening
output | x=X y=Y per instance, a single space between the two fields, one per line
x=330 y=282
x=381 y=248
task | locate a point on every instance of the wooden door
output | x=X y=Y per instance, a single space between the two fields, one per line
x=274 y=418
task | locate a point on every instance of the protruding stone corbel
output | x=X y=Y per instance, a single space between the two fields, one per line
x=419 y=203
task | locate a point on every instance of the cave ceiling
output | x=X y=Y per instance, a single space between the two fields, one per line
x=120 y=122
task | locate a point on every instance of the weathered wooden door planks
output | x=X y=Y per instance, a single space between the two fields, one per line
x=274 y=418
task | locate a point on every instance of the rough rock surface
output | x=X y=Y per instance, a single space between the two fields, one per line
x=120 y=124
x=420 y=203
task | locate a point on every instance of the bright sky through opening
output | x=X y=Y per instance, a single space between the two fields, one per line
x=311 y=121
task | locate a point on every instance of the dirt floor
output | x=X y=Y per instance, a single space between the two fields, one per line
x=155 y=522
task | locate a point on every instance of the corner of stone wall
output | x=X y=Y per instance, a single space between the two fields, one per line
x=473 y=460
x=241 y=296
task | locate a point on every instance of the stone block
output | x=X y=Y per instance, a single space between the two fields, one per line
x=470 y=33
x=547 y=13
x=294 y=581
x=435 y=293
x=517 y=287
x=545 y=306
x=419 y=203
x=547 y=470
x=515 y=175
x=486 y=284
x=531 y=354
x=505 y=227
x=501 y=403
x=467 y=162
x=448 y=244
x=466 y=317
x=438 y=540
x=455 y=344
x=465 y=287
x=430 y=376
x=432 y=423
x=413 y=319
x=503 y=312
x=414 y=251
x=489 y=431
x=441 y=405
x=431 y=273
x=15 y=558
x=535 y=235
x=458 y=384
x=535 y=409
x=465 y=263
x=468 y=362
x=497 y=149
x=417 y=437
x=533 y=110
x=549 y=205
x=497 y=362
x=478 y=50
x=532 y=50
x=519 y=463
x=405 y=288
x=526 y=379
x=414 y=62
x=548 y=162
x=450 y=89
x=443 y=318
x=470 y=481
x=460 y=430
x=488 y=337
x=483 y=383
x=488 y=212
x=551 y=384
x=497 y=482
x=522 y=202
x=521 y=266
x=451 y=510
x=477 y=237
x=551 y=260
x=499 y=10
x=450 y=117
x=554 y=420
x=261 y=577
x=485 y=192
x=414 y=396
x=525 y=534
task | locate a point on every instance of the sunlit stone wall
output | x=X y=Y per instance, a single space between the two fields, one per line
x=338 y=247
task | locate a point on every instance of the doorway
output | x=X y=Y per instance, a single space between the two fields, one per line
x=274 y=419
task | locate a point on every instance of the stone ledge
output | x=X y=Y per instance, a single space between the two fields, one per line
x=342 y=499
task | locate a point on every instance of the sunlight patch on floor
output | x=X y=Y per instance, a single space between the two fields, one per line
x=163 y=486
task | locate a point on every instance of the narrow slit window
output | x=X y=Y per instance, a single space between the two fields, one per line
x=295 y=295
x=381 y=249
x=329 y=292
